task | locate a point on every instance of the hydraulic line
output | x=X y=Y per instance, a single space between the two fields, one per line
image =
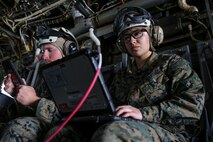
x=188 y=8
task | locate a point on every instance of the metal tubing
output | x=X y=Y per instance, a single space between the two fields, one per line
x=108 y=16
x=208 y=10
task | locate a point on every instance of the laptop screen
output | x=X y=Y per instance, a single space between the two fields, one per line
x=68 y=80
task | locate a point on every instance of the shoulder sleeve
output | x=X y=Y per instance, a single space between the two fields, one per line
x=47 y=111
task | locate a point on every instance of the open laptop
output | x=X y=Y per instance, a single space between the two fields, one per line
x=68 y=80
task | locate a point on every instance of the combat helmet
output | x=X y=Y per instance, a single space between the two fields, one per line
x=61 y=37
x=129 y=17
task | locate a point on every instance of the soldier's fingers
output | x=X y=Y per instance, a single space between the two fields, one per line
x=127 y=114
x=123 y=110
x=124 y=106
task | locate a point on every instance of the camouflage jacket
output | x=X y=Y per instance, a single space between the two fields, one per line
x=46 y=109
x=166 y=90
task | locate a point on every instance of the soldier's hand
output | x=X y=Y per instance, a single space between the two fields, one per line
x=128 y=111
x=9 y=86
x=27 y=96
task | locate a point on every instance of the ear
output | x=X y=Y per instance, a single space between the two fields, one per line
x=157 y=35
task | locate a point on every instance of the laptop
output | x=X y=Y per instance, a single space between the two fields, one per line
x=68 y=80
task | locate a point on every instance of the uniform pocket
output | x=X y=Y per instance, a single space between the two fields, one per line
x=155 y=86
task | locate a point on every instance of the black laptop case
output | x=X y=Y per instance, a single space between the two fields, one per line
x=68 y=80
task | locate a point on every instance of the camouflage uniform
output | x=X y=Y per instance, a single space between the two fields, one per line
x=30 y=124
x=168 y=93
x=36 y=124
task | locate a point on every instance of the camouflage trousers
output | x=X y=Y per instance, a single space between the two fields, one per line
x=24 y=129
x=134 y=131
x=30 y=129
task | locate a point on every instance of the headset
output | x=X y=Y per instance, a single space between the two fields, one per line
x=129 y=17
x=50 y=35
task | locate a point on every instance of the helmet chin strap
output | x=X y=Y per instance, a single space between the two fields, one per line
x=152 y=47
x=149 y=31
x=59 y=48
x=59 y=44
x=151 y=43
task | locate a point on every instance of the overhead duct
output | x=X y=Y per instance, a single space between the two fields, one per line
x=83 y=25
x=190 y=9
x=83 y=8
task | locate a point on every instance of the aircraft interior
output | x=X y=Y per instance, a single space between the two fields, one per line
x=187 y=30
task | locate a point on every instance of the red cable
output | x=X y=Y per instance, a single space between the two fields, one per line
x=76 y=109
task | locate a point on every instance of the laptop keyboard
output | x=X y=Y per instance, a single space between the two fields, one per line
x=101 y=119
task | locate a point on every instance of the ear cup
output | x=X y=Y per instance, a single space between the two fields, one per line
x=157 y=35
x=70 y=47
